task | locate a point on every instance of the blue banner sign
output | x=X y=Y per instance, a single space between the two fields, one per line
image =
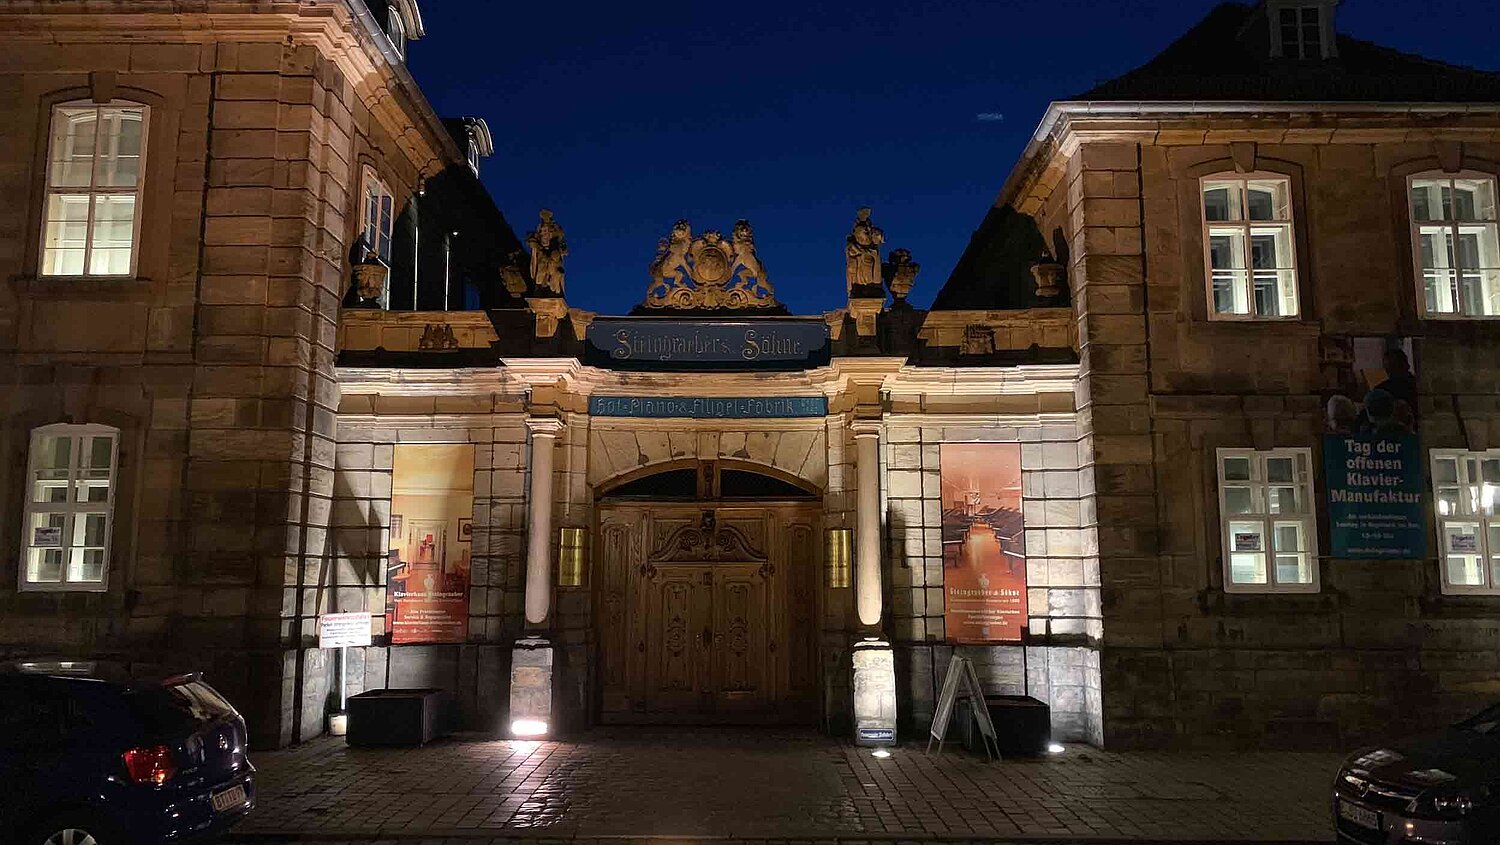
x=1375 y=508
x=659 y=343
x=708 y=407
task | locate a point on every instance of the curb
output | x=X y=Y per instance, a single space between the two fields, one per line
x=559 y=838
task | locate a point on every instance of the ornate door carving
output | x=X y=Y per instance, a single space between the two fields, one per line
x=707 y=612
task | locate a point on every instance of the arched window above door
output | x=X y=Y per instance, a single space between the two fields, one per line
x=708 y=480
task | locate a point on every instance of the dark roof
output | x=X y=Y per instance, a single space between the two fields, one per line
x=1227 y=57
x=994 y=272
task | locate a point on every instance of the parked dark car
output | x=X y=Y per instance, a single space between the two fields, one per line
x=1437 y=789
x=91 y=756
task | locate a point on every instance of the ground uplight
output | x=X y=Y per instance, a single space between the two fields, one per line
x=880 y=753
x=1054 y=748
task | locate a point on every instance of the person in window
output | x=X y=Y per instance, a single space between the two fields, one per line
x=1399 y=381
x=1343 y=414
x=1385 y=414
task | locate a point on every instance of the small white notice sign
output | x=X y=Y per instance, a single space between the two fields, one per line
x=344 y=630
x=46 y=537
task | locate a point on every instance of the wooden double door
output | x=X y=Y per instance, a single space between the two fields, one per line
x=707 y=613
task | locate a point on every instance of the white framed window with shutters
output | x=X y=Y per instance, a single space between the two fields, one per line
x=377 y=216
x=1267 y=520
x=70 y=498
x=1466 y=490
x=1455 y=232
x=91 y=218
x=1249 y=247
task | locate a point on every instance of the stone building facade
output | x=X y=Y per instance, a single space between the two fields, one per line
x=711 y=510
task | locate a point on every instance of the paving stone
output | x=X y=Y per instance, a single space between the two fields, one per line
x=748 y=785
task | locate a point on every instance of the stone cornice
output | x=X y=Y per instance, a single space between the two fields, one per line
x=335 y=27
x=1067 y=125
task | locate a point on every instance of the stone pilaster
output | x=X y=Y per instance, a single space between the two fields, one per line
x=1115 y=423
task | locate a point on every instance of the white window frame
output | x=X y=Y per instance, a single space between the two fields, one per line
x=1470 y=511
x=69 y=509
x=1307 y=518
x=1297 y=48
x=395 y=30
x=1452 y=227
x=1244 y=227
x=94 y=190
x=377 y=216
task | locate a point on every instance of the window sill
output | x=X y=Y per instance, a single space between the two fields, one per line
x=63 y=588
x=83 y=288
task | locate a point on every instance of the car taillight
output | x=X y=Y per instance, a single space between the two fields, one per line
x=152 y=766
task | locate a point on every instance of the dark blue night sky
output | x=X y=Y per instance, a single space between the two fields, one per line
x=624 y=116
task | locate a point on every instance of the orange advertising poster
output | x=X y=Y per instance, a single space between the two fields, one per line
x=984 y=545
x=432 y=504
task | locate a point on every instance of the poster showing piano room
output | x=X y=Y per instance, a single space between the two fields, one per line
x=984 y=545
x=432 y=504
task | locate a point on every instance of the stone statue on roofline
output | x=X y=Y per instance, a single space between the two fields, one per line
x=900 y=273
x=862 y=255
x=548 y=247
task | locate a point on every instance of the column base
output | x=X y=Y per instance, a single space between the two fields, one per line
x=874 y=693
x=531 y=688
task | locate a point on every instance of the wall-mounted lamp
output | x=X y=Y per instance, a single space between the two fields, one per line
x=572 y=556
x=838 y=557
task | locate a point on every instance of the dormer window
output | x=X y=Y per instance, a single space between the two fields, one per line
x=1302 y=30
x=403 y=23
x=395 y=29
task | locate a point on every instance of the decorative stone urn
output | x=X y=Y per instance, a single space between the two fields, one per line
x=369 y=282
x=1050 y=277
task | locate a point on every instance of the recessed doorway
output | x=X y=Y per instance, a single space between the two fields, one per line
x=705 y=597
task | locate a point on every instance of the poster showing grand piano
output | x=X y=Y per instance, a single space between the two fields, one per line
x=984 y=545
x=432 y=504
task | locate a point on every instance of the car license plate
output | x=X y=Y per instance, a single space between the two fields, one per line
x=232 y=797
x=1359 y=815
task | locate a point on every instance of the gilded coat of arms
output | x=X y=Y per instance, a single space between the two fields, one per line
x=708 y=272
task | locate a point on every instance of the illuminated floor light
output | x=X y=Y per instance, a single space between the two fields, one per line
x=880 y=753
x=528 y=727
x=1054 y=748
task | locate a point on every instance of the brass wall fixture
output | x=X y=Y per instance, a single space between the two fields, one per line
x=572 y=556
x=838 y=557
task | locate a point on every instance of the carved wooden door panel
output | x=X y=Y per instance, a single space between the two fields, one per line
x=741 y=656
x=621 y=533
x=678 y=621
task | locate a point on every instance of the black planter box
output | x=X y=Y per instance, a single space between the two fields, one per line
x=398 y=716
x=1023 y=726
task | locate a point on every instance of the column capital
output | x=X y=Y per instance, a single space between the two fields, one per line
x=866 y=428
x=544 y=426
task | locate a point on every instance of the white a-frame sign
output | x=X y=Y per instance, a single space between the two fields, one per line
x=962 y=682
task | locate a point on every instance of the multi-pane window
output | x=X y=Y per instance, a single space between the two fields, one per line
x=92 y=213
x=1301 y=30
x=70 y=482
x=379 y=219
x=1266 y=510
x=1249 y=248
x=1466 y=486
x=1455 y=245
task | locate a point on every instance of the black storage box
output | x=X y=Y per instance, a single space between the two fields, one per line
x=398 y=716
x=1023 y=726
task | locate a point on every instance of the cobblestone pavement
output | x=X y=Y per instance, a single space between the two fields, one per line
x=759 y=785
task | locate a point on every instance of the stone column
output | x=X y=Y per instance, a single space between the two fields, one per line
x=867 y=525
x=531 y=660
x=873 y=661
x=544 y=433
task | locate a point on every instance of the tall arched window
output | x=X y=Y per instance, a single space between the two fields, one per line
x=70 y=487
x=1455 y=245
x=95 y=159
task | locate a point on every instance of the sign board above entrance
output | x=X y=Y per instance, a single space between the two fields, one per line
x=709 y=407
x=671 y=344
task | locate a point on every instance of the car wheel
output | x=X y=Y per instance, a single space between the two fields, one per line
x=73 y=829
